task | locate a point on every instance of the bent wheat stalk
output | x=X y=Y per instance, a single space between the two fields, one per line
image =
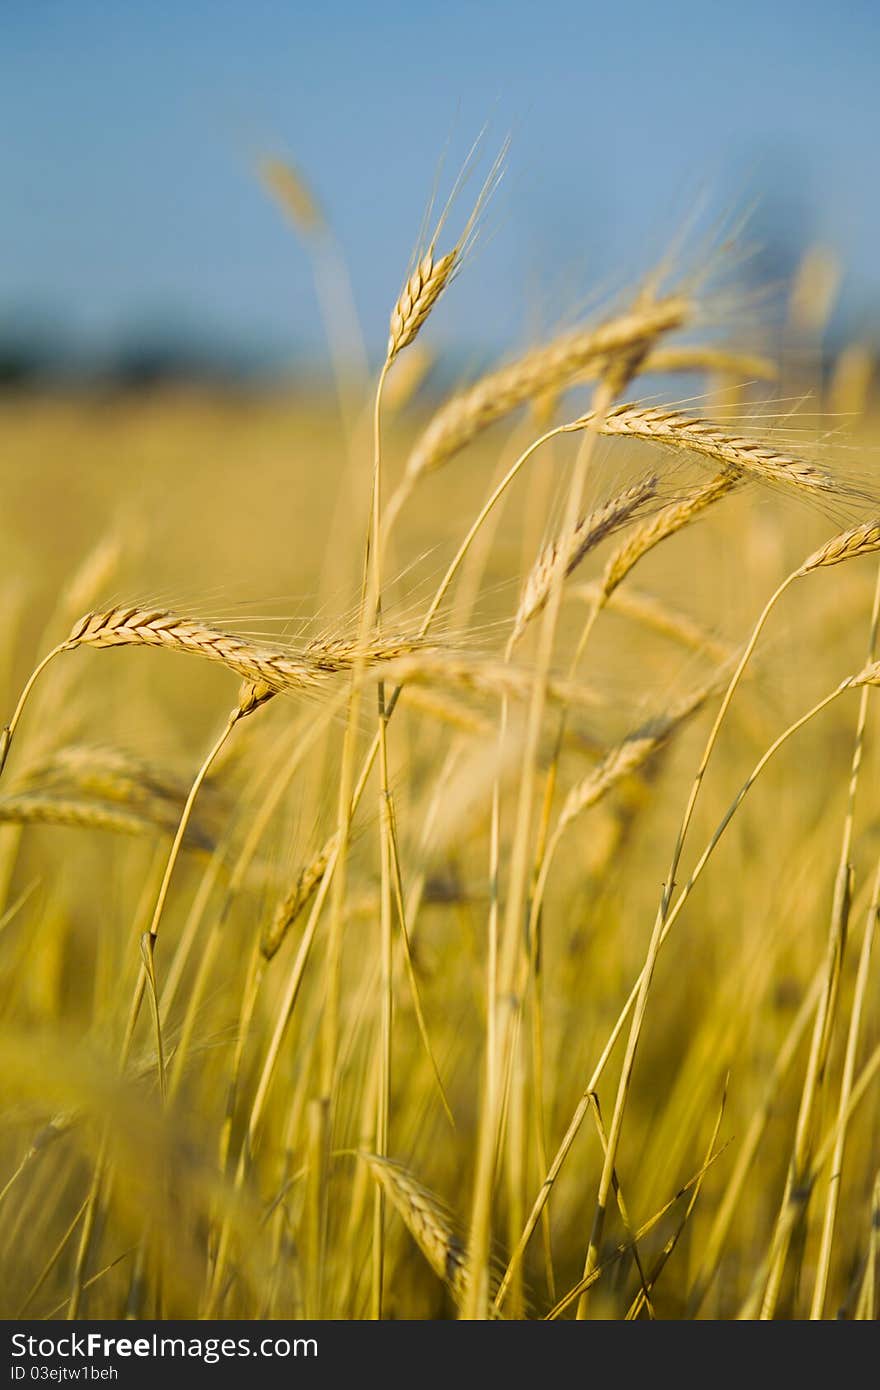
x=269 y=670
x=660 y=617
x=623 y=761
x=504 y=1006
x=794 y=1210
x=840 y=548
x=843 y=1105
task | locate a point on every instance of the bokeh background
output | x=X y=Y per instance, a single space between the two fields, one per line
x=134 y=235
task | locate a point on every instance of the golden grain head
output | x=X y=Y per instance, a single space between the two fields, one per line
x=418 y=297
x=676 y=430
x=292 y=906
x=848 y=545
x=289 y=187
x=589 y=533
x=426 y=1219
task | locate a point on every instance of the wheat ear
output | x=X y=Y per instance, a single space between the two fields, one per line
x=848 y=545
x=262 y=665
x=666 y=523
x=675 y=430
x=299 y=897
x=426 y=1220
x=34 y=808
x=432 y=274
x=290 y=189
x=591 y=530
x=651 y=612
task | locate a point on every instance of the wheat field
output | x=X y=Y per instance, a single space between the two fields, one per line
x=466 y=906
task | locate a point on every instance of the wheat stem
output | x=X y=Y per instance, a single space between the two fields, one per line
x=823 y=1263
x=637 y=988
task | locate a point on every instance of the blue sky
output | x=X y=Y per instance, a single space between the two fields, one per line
x=131 y=128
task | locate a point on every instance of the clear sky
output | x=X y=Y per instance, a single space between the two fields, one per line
x=130 y=128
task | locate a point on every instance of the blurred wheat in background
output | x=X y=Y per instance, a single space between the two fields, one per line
x=466 y=905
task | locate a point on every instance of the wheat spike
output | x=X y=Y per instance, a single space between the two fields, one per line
x=334 y=654
x=590 y=532
x=418 y=297
x=719 y=361
x=33 y=808
x=675 y=430
x=631 y=755
x=658 y=528
x=869 y=675
x=426 y=1220
x=253 y=695
x=288 y=186
x=490 y=678
x=448 y=710
x=92 y=781
x=432 y=275
x=651 y=612
x=92 y=576
x=850 y=390
x=265 y=669
x=290 y=908
x=108 y=772
x=703 y=358
x=848 y=545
